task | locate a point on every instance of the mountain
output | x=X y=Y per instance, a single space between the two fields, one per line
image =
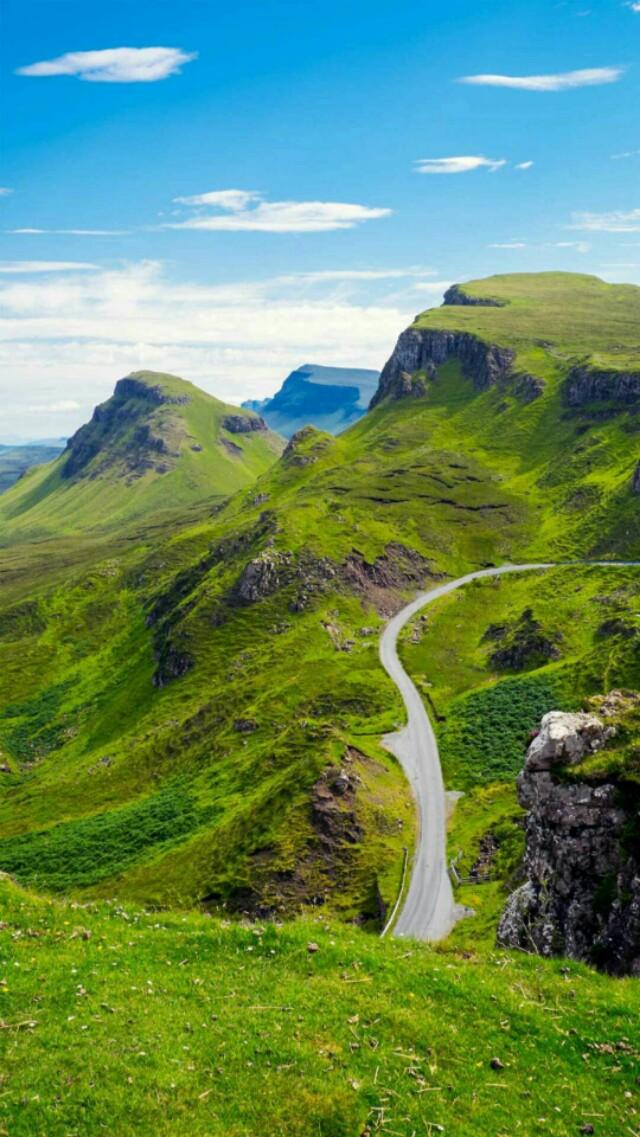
x=192 y=709
x=15 y=460
x=158 y=442
x=329 y=398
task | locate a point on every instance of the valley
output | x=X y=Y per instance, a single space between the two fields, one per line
x=193 y=709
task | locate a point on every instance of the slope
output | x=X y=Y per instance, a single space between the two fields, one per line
x=157 y=441
x=192 y=712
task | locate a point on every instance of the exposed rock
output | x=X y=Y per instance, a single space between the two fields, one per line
x=108 y=434
x=328 y=398
x=263 y=576
x=456 y=295
x=243 y=424
x=586 y=384
x=245 y=726
x=635 y=481
x=426 y=349
x=581 y=896
x=523 y=644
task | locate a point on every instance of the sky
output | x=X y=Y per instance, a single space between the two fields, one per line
x=227 y=192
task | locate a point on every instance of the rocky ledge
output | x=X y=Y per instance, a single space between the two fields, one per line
x=586 y=384
x=581 y=896
x=458 y=297
x=423 y=350
x=243 y=424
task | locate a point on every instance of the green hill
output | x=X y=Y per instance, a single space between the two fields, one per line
x=158 y=442
x=172 y=1024
x=192 y=708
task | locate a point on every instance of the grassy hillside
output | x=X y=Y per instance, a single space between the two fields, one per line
x=492 y=659
x=191 y=710
x=174 y=1024
x=550 y=318
x=161 y=442
x=15 y=460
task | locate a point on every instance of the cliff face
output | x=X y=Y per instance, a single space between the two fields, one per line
x=581 y=897
x=127 y=422
x=425 y=349
x=587 y=385
x=328 y=398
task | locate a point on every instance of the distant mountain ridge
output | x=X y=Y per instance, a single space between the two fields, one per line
x=15 y=460
x=329 y=398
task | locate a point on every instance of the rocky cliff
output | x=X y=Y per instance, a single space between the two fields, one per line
x=581 y=895
x=423 y=350
x=328 y=398
x=592 y=385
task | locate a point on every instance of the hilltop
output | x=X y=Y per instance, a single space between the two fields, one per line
x=192 y=713
x=159 y=441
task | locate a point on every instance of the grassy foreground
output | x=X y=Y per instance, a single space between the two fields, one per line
x=176 y=1024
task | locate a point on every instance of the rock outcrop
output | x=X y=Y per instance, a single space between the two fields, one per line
x=586 y=384
x=426 y=349
x=581 y=896
x=243 y=424
x=455 y=295
x=109 y=436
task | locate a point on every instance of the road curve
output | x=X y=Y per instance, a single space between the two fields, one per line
x=429 y=911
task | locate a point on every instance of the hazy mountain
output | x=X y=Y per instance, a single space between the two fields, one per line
x=329 y=398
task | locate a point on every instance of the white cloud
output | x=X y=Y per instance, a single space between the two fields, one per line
x=5 y=191
x=460 y=165
x=71 y=336
x=509 y=245
x=615 y=222
x=114 y=65
x=439 y=287
x=626 y=153
x=231 y=199
x=246 y=210
x=634 y=5
x=579 y=246
x=563 y=81
x=45 y=266
x=524 y=165
x=353 y=275
x=61 y=406
x=72 y=232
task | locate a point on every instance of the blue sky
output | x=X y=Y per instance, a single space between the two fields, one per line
x=319 y=117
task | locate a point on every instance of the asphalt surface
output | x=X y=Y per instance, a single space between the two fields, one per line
x=428 y=911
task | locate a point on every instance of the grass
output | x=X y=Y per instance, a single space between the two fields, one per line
x=176 y=1024
x=203 y=459
x=485 y=716
x=460 y=477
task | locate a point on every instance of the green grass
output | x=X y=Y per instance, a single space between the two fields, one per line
x=166 y=1024
x=485 y=716
x=461 y=477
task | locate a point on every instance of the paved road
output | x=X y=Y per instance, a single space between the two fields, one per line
x=429 y=911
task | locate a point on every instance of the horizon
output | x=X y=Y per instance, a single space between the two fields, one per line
x=238 y=240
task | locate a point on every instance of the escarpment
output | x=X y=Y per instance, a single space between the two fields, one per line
x=581 y=895
x=426 y=349
x=586 y=384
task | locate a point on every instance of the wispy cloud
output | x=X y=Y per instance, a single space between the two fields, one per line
x=60 y=406
x=369 y=274
x=625 y=153
x=634 y=5
x=460 y=165
x=618 y=221
x=524 y=165
x=72 y=232
x=114 y=65
x=70 y=336
x=28 y=267
x=509 y=245
x=247 y=210
x=5 y=191
x=562 y=81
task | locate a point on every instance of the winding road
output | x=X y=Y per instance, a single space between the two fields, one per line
x=428 y=909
